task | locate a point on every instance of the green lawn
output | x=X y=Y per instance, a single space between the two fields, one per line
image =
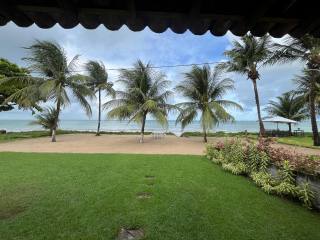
x=79 y=196
x=305 y=141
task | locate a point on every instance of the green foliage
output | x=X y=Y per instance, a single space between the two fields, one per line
x=306 y=195
x=288 y=105
x=286 y=182
x=286 y=172
x=263 y=180
x=255 y=161
x=144 y=93
x=204 y=90
x=237 y=168
x=47 y=118
x=56 y=79
x=10 y=70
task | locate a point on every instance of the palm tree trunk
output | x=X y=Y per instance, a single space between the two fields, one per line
x=290 y=130
x=205 y=135
x=142 y=127
x=313 y=118
x=99 y=114
x=54 y=129
x=256 y=95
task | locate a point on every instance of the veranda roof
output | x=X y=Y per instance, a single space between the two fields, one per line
x=278 y=119
x=199 y=16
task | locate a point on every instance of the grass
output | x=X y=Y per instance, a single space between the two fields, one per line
x=12 y=136
x=222 y=134
x=302 y=141
x=91 y=196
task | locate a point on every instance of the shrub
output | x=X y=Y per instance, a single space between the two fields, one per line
x=305 y=194
x=235 y=168
x=286 y=184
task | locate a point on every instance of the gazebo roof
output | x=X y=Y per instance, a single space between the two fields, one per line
x=278 y=119
x=198 y=16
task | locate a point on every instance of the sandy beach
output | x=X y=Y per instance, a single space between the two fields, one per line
x=89 y=143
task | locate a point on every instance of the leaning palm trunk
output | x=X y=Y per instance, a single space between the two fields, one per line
x=313 y=118
x=256 y=94
x=142 y=128
x=99 y=114
x=54 y=129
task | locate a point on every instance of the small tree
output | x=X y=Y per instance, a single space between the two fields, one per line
x=204 y=90
x=144 y=93
x=46 y=119
x=246 y=57
x=97 y=82
x=288 y=105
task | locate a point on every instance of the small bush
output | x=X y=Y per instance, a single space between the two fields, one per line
x=305 y=195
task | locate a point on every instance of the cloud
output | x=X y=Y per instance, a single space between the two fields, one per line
x=119 y=49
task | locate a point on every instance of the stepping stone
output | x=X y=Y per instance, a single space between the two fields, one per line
x=133 y=234
x=144 y=195
x=149 y=177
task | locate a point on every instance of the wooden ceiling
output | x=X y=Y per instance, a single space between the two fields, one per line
x=294 y=17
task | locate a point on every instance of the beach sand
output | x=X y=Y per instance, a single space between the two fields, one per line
x=89 y=143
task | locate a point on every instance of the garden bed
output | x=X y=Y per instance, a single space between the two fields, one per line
x=276 y=170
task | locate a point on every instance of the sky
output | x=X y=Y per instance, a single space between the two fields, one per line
x=120 y=49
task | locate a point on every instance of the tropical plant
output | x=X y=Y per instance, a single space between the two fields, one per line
x=11 y=70
x=246 y=57
x=98 y=83
x=144 y=93
x=288 y=105
x=204 y=90
x=306 y=195
x=46 y=119
x=305 y=49
x=55 y=79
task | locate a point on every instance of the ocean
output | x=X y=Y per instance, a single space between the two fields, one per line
x=151 y=125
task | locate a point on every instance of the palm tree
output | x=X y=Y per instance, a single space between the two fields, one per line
x=305 y=49
x=55 y=79
x=97 y=82
x=308 y=86
x=246 y=57
x=144 y=93
x=46 y=119
x=204 y=90
x=290 y=106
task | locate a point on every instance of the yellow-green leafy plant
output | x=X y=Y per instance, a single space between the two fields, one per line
x=306 y=195
x=286 y=184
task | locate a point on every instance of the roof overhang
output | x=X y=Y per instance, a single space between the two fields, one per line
x=294 y=17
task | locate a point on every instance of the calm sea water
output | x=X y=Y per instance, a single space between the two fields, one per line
x=151 y=125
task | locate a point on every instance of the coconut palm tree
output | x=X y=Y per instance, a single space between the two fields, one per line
x=288 y=105
x=307 y=50
x=308 y=85
x=144 y=93
x=46 y=119
x=204 y=90
x=246 y=57
x=98 y=83
x=55 y=80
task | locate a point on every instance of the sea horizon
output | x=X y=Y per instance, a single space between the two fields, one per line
x=12 y=125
